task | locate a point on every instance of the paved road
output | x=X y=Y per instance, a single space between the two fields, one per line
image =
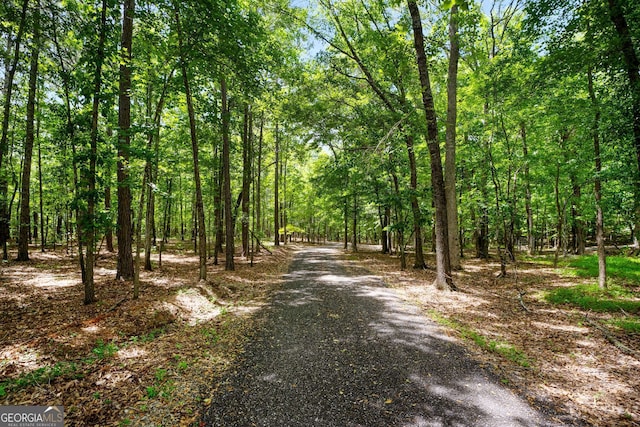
x=340 y=349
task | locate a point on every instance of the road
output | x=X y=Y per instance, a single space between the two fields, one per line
x=338 y=348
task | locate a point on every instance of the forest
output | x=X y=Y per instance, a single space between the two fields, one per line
x=152 y=148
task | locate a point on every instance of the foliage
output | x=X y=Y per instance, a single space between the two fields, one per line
x=621 y=267
x=591 y=297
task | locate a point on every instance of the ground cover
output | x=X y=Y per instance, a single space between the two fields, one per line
x=550 y=333
x=149 y=361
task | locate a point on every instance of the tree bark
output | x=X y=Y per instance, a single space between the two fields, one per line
x=531 y=244
x=25 y=197
x=450 y=159
x=202 y=236
x=560 y=213
x=632 y=64
x=258 y=185
x=124 y=232
x=153 y=136
x=354 y=232
x=602 y=256
x=226 y=172
x=4 y=143
x=443 y=266
x=246 y=179
x=89 y=220
x=108 y=235
x=276 y=194
x=217 y=201
x=43 y=237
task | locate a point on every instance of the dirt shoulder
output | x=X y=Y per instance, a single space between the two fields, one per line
x=120 y=361
x=551 y=353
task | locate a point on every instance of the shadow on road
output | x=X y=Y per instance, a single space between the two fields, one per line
x=340 y=349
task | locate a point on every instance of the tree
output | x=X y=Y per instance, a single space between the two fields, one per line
x=443 y=266
x=5 y=212
x=202 y=236
x=125 y=231
x=276 y=192
x=632 y=65
x=450 y=138
x=88 y=220
x=247 y=142
x=226 y=173
x=25 y=213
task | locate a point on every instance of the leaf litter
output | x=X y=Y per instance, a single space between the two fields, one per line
x=570 y=365
x=151 y=361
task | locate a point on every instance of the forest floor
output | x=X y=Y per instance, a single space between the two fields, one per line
x=559 y=355
x=120 y=361
x=153 y=361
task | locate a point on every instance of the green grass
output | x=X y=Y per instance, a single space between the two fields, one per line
x=104 y=350
x=211 y=334
x=502 y=348
x=619 y=267
x=591 y=297
x=39 y=376
x=155 y=333
x=628 y=325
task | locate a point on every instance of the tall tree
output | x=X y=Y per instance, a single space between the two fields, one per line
x=25 y=212
x=632 y=65
x=202 y=236
x=450 y=141
x=90 y=176
x=246 y=177
x=226 y=172
x=276 y=192
x=5 y=212
x=443 y=265
x=602 y=255
x=125 y=268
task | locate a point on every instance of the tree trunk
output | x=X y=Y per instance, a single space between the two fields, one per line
x=43 y=237
x=25 y=213
x=354 y=232
x=602 y=256
x=577 y=226
x=415 y=205
x=89 y=288
x=450 y=159
x=152 y=137
x=202 y=237
x=531 y=244
x=632 y=64
x=258 y=185
x=4 y=143
x=246 y=179
x=443 y=266
x=138 y=233
x=560 y=212
x=124 y=230
x=217 y=201
x=226 y=165
x=276 y=194
x=108 y=235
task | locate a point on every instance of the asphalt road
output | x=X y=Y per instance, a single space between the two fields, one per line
x=338 y=348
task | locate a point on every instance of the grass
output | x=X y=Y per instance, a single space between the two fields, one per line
x=591 y=297
x=502 y=348
x=104 y=350
x=39 y=376
x=628 y=325
x=620 y=267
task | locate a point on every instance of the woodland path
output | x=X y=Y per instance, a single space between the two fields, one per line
x=338 y=348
